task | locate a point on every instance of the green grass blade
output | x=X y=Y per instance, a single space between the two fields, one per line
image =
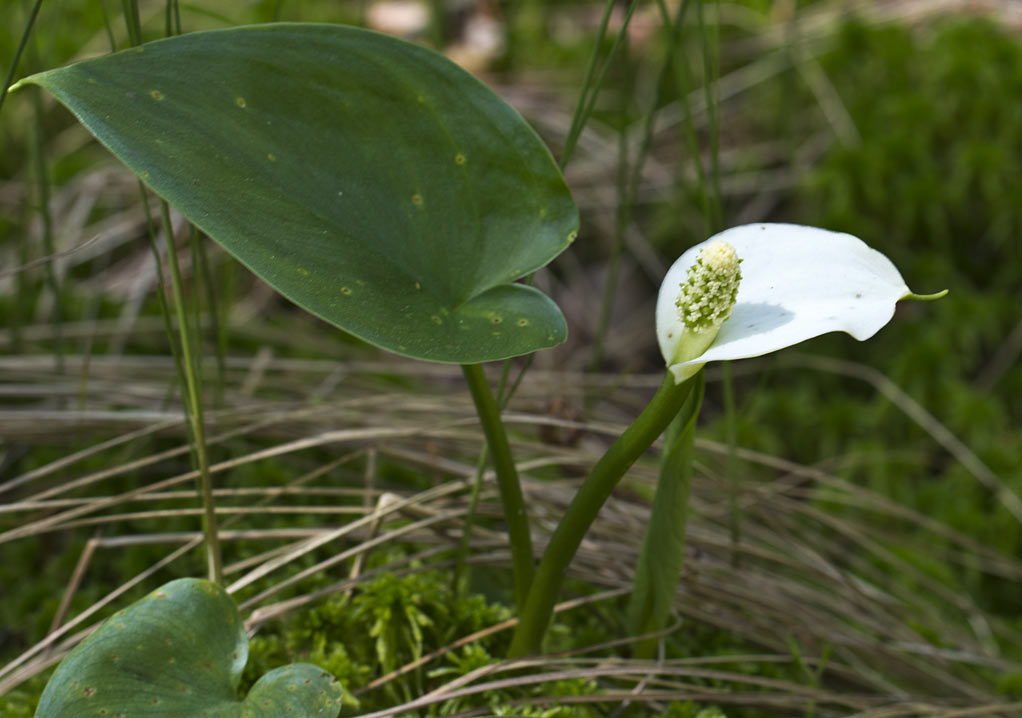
x=25 y=34
x=663 y=547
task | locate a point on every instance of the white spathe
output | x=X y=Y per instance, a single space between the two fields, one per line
x=797 y=283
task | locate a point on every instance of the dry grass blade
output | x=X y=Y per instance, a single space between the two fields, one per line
x=794 y=555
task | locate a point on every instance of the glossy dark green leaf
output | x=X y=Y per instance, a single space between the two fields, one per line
x=370 y=180
x=179 y=652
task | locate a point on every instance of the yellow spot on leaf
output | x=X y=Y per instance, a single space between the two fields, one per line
x=459 y=159
x=304 y=272
x=345 y=290
x=240 y=101
x=271 y=157
x=156 y=95
x=417 y=199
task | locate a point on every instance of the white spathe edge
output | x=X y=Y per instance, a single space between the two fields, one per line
x=797 y=283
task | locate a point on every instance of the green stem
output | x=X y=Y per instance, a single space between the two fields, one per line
x=597 y=487
x=194 y=405
x=663 y=547
x=507 y=480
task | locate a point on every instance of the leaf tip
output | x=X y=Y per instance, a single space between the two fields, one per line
x=924 y=297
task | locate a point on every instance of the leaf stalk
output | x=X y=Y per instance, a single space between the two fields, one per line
x=512 y=499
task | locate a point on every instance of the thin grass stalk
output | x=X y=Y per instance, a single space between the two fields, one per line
x=512 y=500
x=687 y=129
x=461 y=560
x=172 y=19
x=108 y=26
x=587 y=111
x=43 y=191
x=578 y=118
x=507 y=391
x=627 y=191
x=465 y=545
x=584 y=109
x=133 y=24
x=25 y=34
x=133 y=21
x=623 y=215
x=168 y=325
x=228 y=281
x=186 y=368
x=711 y=60
x=200 y=258
x=194 y=405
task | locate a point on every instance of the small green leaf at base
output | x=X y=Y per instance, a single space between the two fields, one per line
x=180 y=652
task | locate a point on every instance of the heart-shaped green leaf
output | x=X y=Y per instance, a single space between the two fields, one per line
x=179 y=653
x=370 y=180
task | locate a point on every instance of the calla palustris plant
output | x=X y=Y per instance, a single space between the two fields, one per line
x=745 y=292
x=370 y=180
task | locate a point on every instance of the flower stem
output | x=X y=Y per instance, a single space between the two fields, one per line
x=511 y=497
x=534 y=617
